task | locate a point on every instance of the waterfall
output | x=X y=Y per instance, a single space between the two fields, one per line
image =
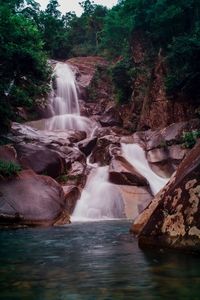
x=136 y=156
x=66 y=99
x=100 y=199
x=64 y=105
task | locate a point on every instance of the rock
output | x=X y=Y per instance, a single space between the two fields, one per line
x=71 y=155
x=111 y=118
x=135 y=199
x=26 y=133
x=8 y=153
x=77 y=174
x=172 y=219
x=40 y=159
x=31 y=199
x=161 y=162
x=72 y=194
x=170 y=135
x=177 y=152
x=101 y=153
x=86 y=146
x=123 y=173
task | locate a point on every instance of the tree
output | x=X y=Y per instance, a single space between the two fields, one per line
x=24 y=72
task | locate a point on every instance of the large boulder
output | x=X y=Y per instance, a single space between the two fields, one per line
x=31 y=199
x=172 y=219
x=40 y=159
x=123 y=173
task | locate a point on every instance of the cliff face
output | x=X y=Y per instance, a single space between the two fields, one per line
x=150 y=103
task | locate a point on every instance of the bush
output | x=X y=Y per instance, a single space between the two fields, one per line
x=122 y=80
x=8 y=168
x=190 y=138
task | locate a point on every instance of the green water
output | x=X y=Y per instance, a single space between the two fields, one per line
x=89 y=261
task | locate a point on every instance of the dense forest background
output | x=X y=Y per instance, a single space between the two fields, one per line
x=29 y=37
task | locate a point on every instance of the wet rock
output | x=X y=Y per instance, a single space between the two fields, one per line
x=86 y=146
x=72 y=194
x=31 y=199
x=40 y=159
x=123 y=173
x=172 y=218
x=161 y=162
x=25 y=133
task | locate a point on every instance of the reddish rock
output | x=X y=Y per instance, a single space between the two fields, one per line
x=8 y=153
x=111 y=118
x=135 y=199
x=102 y=152
x=123 y=173
x=31 y=199
x=172 y=218
x=72 y=194
x=77 y=174
x=40 y=159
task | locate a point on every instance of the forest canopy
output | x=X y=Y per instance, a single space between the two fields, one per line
x=29 y=36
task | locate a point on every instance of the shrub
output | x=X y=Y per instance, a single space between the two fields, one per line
x=190 y=138
x=8 y=168
x=122 y=80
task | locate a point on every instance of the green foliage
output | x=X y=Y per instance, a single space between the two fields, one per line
x=24 y=72
x=8 y=168
x=122 y=80
x=62 y=179
x=171 y=25
x=190 y=138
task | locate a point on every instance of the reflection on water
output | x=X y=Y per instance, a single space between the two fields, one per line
x=91 y=261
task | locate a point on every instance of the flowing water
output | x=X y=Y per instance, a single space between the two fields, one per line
x=63 y=104
x=136 y=156
x=65 y=98
x=91 y=261
x=99 y=199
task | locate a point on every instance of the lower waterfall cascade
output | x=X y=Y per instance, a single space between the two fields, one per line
x=100 y=199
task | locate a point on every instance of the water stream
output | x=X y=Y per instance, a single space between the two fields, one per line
x=136 y=156
x=100 y=199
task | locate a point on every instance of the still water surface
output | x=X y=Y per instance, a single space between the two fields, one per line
x=90 y=261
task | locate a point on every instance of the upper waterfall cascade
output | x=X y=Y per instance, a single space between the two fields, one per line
x=65 y=100
x=63 y=103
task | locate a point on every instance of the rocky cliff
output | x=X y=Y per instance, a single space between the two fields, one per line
x=172 y=218
x=151 y=105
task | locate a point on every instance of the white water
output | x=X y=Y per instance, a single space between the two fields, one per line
x=136 y=156
x=64 y=105
x=99 y=200
x=66 y=99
